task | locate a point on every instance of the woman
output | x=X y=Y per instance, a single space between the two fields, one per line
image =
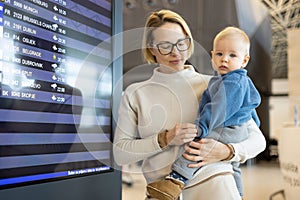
x=156 y=117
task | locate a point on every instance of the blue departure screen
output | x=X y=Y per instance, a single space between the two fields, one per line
x=55 y=89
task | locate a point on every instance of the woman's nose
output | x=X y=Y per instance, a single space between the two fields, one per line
x=175 y=50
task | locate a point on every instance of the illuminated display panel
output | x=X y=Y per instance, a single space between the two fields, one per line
x=55 y=90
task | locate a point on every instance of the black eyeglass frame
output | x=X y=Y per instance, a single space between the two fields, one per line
x=173 y=45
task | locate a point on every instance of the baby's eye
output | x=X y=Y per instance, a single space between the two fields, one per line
x=232 y=55
x=219 y=54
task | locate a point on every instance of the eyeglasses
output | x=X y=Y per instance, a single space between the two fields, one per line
x=166 y=48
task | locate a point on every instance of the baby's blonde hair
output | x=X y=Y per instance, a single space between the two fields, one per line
x=234 y=31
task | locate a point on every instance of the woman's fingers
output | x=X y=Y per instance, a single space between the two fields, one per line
x=198 y=161
x=206 y=150
x=198 y=164
x=188 y=125
x=182 y=133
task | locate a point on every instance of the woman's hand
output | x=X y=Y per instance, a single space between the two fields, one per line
x=205 y=151
x=181 y=134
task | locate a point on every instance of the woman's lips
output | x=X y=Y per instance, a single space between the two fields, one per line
x=174 y=61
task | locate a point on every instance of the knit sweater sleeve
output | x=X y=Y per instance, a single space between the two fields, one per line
x=250 y=147
x=128 y=147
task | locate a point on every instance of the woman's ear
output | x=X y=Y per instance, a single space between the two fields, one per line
x=152 y=51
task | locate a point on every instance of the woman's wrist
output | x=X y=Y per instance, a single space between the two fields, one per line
x=231 y=153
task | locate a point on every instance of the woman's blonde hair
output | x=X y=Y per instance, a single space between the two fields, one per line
x=157 y=19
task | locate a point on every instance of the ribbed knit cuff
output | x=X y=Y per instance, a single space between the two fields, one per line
x=162 y=139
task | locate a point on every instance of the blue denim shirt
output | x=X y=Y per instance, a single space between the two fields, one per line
x=229 y=100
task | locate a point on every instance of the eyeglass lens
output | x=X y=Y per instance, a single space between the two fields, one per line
x=167 y=47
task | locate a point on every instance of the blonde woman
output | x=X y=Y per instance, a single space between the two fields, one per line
x=157 y=116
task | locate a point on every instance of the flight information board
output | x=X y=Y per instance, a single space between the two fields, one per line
x=55 y=90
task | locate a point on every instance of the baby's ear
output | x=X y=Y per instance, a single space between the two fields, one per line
x=245 y=61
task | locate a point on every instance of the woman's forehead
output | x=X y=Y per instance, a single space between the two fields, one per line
x=168 y=32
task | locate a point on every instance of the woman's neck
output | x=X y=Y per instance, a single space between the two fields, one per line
x=169 y=70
